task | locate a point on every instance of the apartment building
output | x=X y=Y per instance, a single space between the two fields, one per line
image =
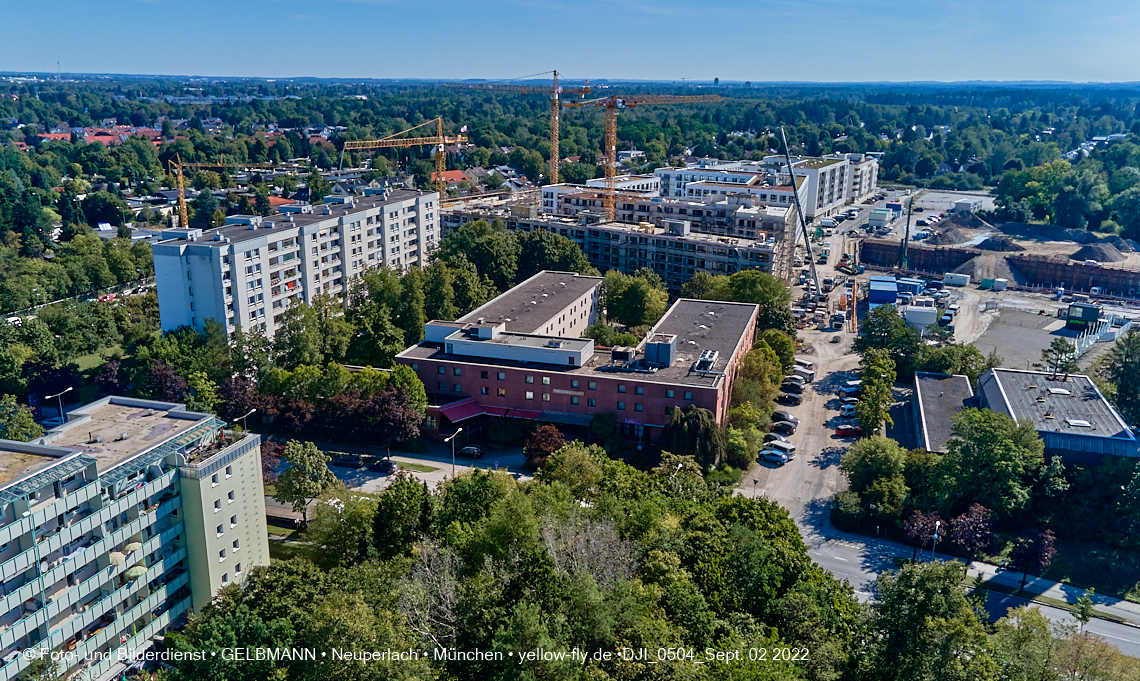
x=864 y=176
x=248 y=272
x=673 y=249
x=499 y=364
x=640 y=183
x=117 y=523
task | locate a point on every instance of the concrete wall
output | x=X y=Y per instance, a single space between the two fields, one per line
x=932 y=259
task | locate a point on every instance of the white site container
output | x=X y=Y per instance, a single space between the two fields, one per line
x=952 y=279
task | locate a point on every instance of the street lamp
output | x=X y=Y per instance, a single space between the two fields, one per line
x=452 y=441
x=243 y=417
x=60 y=397
x=934 y=547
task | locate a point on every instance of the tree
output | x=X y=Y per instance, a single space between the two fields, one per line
x=884 y=329
x=927 y=629
x=1085 y=610
x=541 y=444
x=318 y=185
x=17 y=421
x=204 y=205
x=404 y=514
x=392 y=416
x=1033 y=552
x=306 y=477
x=439 y=292
x=488 y=246
x=782 y=344
x=270 y=461
x=1122 y=370
x=111 y=378
x=973 y=530
x=920 y=529
x=104 y=207
x=876 y=390
x=694 y=432
x=631 y=300
x=343 y=523
x=163 y=383
x=1058 y=357
x=542 y=250
x=1026 y=645
x=993 y=461
x=870 y=459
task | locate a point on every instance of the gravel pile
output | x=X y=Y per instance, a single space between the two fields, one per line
x=1099 y=253
x=949 y=237
x=1000 y=243
x=1122 y=245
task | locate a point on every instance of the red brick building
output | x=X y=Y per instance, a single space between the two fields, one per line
x=522 y=355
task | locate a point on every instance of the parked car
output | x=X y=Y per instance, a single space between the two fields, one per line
x=774 y=456
x=849 y=400
x=384 y=466
x=54 y=421
x=847 y=409
x=848 y=431
x=773 y=437
x=784 y=428
x=850 y=391
x=794 y=378
x=780 y=415
x=796 y=388
x=348 y=461
x=790 y=399
x=107 y=298
x=473 y=451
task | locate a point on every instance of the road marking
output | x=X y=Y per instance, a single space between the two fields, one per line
x=842 y=559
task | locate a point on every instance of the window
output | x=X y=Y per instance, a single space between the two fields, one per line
x=502 y=376
x=688 y=395
x=545 y=397
x=621 y=406
x=457 y=388
x=233 y=521
x=639 y=390
x=237 y=545
x=229 y=471
x=591 y=403
x=502 y=392
x=237 y=569
x=220 y=531
x=217 y=505
x=232 y=497
x=442 y=386
x=484 y=390
x=546 y=380
x=221 y=555
x=621 y=387
x=529 y=378
x=574 y=384
x=214 y=480
x=592 y=385
x=484 y=375
x=457 y=371
x=225 y=577
x=529 y=395
x=638 y=407
x=442 y=370
x=573 y=399
x=669 y=393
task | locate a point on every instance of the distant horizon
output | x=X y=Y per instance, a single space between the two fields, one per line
x=67 y=76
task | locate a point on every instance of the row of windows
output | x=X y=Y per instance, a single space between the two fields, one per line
x=574 y=399
x=574 y=383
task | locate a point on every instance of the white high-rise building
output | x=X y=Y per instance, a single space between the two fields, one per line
x=245 y=274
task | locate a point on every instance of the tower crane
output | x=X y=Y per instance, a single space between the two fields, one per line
x=394 y=142
x=176 y=167
x=555 y=90
x=612 y=104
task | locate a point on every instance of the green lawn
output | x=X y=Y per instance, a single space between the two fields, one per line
x=286 y=549
x=96 y=359
x=418 y=467
x=1113 y=571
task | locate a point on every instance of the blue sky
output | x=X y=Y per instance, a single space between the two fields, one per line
x=757 y=40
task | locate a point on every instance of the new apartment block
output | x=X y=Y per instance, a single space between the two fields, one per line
x=673 y=249
x=521 y=356
x=248 y=272
x=117 y=523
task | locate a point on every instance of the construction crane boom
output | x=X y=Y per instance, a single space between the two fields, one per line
x=612 y=104
x=394 y=142
x=555 y=90
x=176 y=166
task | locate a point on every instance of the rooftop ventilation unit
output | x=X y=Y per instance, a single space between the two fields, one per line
x=706 y=361
x=1059 y=391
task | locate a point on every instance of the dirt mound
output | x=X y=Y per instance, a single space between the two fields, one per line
x=949 y=237
x=1099 y=253
x=1000 y=243
x=967 y=220
x=1047 y=232
x=967 y=267
x=1122 y=245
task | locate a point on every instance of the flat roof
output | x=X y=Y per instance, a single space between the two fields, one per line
x=699 y=325
x=1074 y=406
x=549 y=291
x=525 y=340
x=240 y=232
x=18 y=463
x=113 y=431
x=939 y=397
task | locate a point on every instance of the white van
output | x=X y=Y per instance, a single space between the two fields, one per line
x=828 y=222
x=807 y=374
x=847 y=410
x=805 y=363
x=786 y=448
